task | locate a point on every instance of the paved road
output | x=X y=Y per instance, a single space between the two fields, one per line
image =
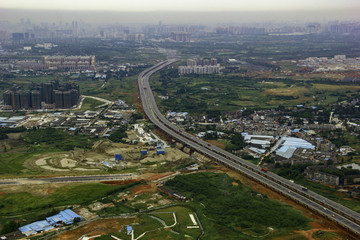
x=334 y=211
x=92 y=178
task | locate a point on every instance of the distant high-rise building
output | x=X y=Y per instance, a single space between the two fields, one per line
x=58 y=99
x=191 y=62
x=18 y=37
x=180 y=36
x=62 y=95
x=200 y=66
x=67 y=99
x=35 y=99
x=7 y=96
x=16 y=100
x=213 y=62
x=136 y=37
x=48 y=93
x=25 y=100
x=74 y=97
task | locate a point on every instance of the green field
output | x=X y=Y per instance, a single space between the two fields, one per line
x=123 y=88
x=220 y=93
x=321 y=235
x=331 y=193
x=234 y=211
x=182 y=214
x=90 y=104
x=32 y=142
x=167 y=217
x=46 y=200
x=296 y=173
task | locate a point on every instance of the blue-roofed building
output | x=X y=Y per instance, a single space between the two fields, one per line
x=129 y=230
x=36 y=227
x=160 y=151
x=66 y=217
x=288 y=146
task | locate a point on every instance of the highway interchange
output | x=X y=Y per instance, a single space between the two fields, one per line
x=339 y=214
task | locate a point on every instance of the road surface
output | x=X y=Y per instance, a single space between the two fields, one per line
x=90 y=178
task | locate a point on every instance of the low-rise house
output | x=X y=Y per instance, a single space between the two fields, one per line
x=317 y=173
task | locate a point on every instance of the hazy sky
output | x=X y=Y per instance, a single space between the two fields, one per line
x=181 y=5
x=178 y=11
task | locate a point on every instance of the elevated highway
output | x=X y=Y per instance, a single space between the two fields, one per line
x=342 y=216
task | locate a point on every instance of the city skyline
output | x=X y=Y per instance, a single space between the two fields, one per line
x=185 y=5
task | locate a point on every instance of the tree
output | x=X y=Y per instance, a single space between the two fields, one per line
x=118 y=135
x=10 y=226
x=237 y=142
x=3 y=136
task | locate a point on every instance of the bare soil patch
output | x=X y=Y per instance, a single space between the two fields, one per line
x=310 y=232
x=315 y=225
x=98 y=227
x=120 y=183
x=14 y=135
x=157 y=176
x=34 y=189
x=149 y=188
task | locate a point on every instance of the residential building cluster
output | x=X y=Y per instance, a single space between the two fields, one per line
x=337 y=63
x=180 y=36
x=240 y=30
x=177 y=116
x=281 y=138
x=45 y=95
x=60 y=63
x=200 y=66
x=134 y=37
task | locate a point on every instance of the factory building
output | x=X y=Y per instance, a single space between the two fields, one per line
x=65 y=217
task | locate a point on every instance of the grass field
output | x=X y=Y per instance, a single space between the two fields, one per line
x=221 y=204
x=90 y=103
x=167 y=217
x=34 y=204
x=124 y=88
x=336 y=87
x=321 y=235
x=201 y=94
x=290 y=91
x=183 y=220
x=332 y=194
x=32 y=142
x=17 y=203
